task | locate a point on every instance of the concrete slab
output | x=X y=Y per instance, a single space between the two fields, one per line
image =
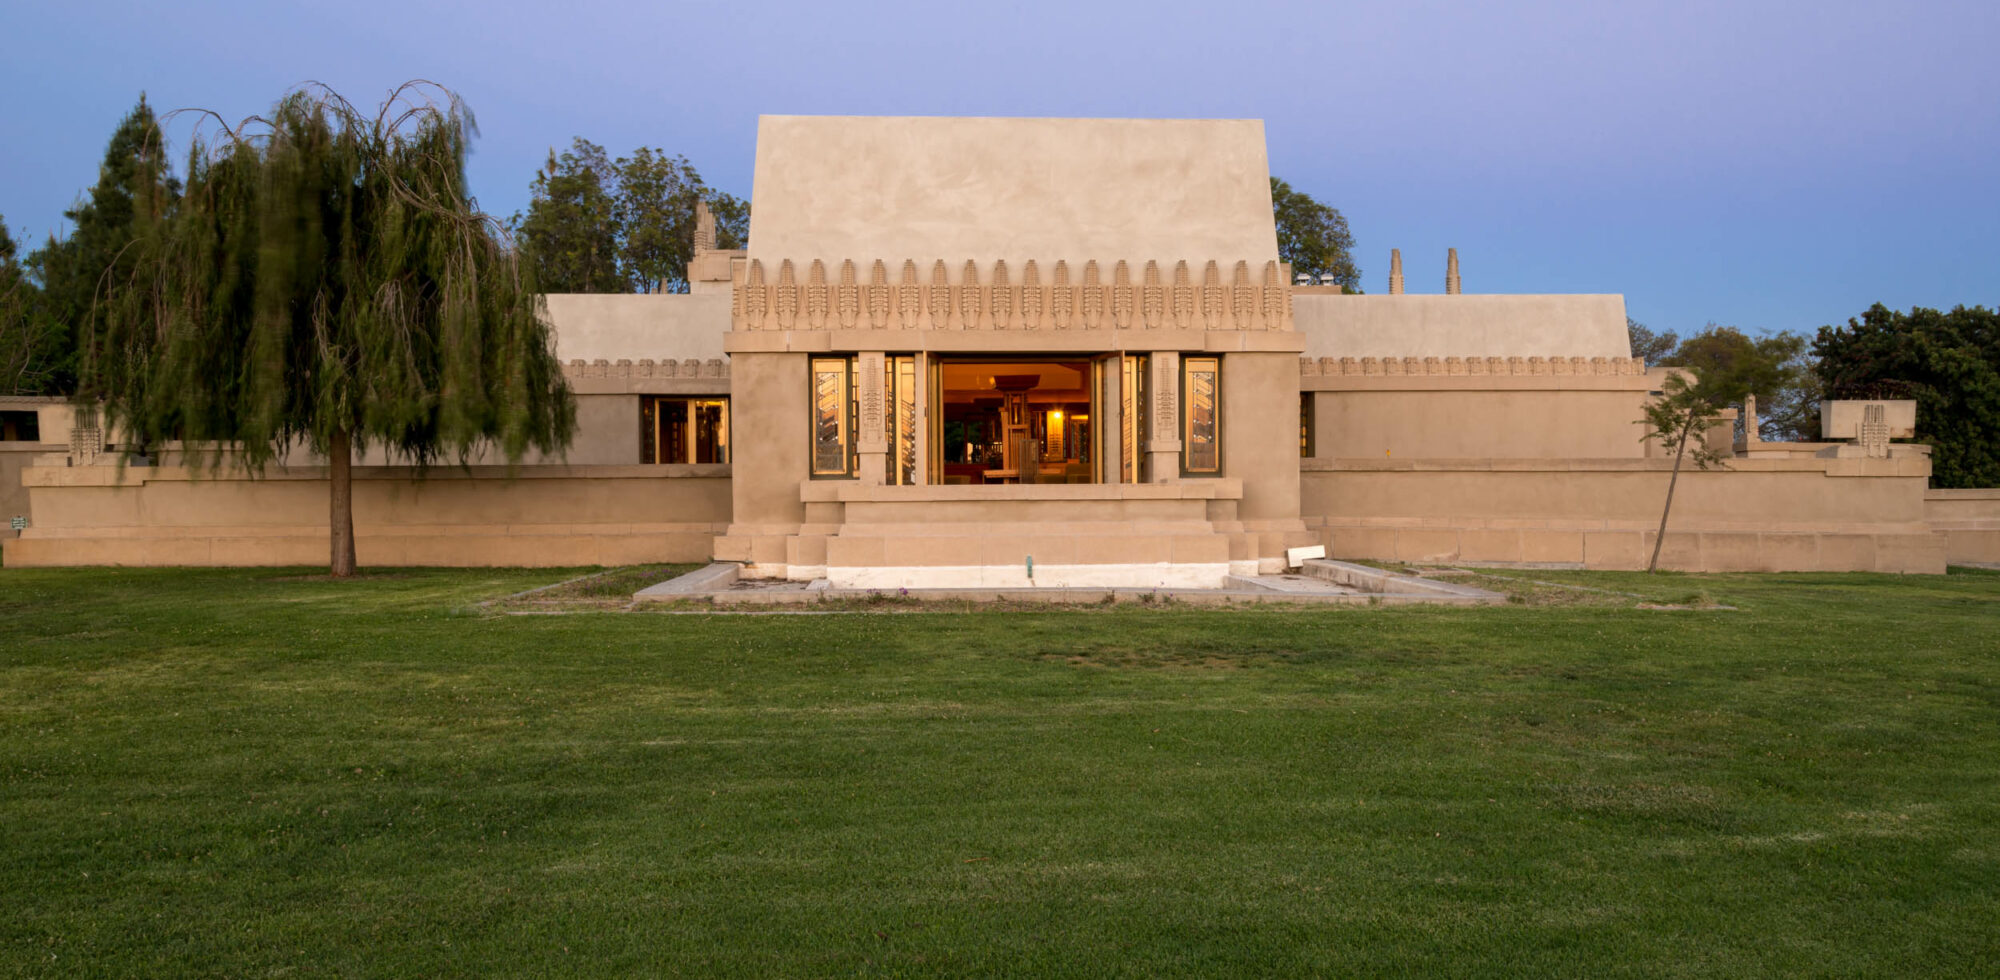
x=721 y=585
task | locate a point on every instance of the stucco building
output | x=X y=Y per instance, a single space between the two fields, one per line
x=958 y=350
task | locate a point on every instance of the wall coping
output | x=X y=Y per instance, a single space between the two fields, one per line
x=1908 y=467
x=1966 y=493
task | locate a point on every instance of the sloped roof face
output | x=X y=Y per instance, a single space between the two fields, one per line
x=868 y=187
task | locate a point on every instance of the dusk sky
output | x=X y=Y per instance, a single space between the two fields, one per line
x=1769 y=165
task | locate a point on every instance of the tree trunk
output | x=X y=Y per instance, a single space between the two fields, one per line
x=340 y=478
x=1680 y=449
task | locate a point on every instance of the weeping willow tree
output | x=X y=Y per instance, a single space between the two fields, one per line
x=326 y=282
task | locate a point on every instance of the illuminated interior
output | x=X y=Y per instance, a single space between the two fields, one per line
x=1016 y=421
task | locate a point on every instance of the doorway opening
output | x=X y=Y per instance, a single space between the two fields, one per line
x=1016 y=421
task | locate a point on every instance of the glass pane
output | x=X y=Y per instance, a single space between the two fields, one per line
x=673 y=416
x=1132 y=413
x=1203 y=436
x=1305 y=425
x=711 y=431
x=905 y=387
x=649 y=435
x=829 y=408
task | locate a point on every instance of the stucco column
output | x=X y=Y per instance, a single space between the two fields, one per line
x=1110 y=424
x=871 y=444
x=1164 y=448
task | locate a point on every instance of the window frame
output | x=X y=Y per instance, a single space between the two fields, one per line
x=848 y=414
x=1213 y=367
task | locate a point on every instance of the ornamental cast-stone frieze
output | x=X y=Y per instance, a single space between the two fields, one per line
x=1248 y=299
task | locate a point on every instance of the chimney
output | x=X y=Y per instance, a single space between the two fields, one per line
x=1395 y=272
x=1452 y=286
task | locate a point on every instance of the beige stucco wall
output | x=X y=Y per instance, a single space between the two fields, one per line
x=1459 y=423
x=1969 y=521
x=612 y=326
x=1462 y=326
x=768 y=420
x=544 y=516
x=867 y=187
x=1259 y=395
x=1757 y=515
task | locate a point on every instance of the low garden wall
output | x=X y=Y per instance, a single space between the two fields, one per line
x=1794 y=514
x=476 y=516
x=1969 y=521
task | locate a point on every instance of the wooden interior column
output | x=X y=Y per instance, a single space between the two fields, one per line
x=871 y=444
x=1165 y=446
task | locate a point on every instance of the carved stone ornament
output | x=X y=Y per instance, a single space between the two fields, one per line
x=793 y=302
x=816 y=305
x=878 y=296
x=1062 y=296
x=1091 y=297
x=848 y=296
x=1031 y=297
x=787 y=300
x=910 y=297
x=1152 y=297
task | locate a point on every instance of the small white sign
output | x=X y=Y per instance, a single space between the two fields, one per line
x=20 y=523
x=1294 y=557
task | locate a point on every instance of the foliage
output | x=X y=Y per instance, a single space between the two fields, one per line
x=242 y=772
x=598 y=226
x=134 y=186
x=31 y=341
x=1948 y=362
x=1733 y=365
x=1313 y=237
x=325 y=281
x=1648 y=347
x=656 y=209
x=1678 y=417
x=571 y=232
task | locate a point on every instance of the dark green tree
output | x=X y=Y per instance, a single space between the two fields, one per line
x=571 y=231
x=656 y=210
x=134 y=183
x=30 y=344
x=1313 y=237
x=1948 y=362
x=326 y=282
x=1733 y=365
x=598 y=226
x=1649 y=347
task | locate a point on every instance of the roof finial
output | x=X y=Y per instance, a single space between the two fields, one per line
x=704 y=227
x=1452 y=285
x=1395 y=272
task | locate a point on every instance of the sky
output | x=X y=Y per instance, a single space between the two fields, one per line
x=1769 y=165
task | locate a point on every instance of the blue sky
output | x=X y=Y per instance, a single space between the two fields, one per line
x=1771 y=165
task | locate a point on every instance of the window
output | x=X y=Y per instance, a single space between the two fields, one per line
x=1133 y=419
x=683 y=430
x=833 y=417
x=1201 y=415
x=20 y=426
x=1306 y=425
x=900 y=382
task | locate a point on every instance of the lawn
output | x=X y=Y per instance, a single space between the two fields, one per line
x=260 y=773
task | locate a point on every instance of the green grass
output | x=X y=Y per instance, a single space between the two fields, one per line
x=253 y=773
